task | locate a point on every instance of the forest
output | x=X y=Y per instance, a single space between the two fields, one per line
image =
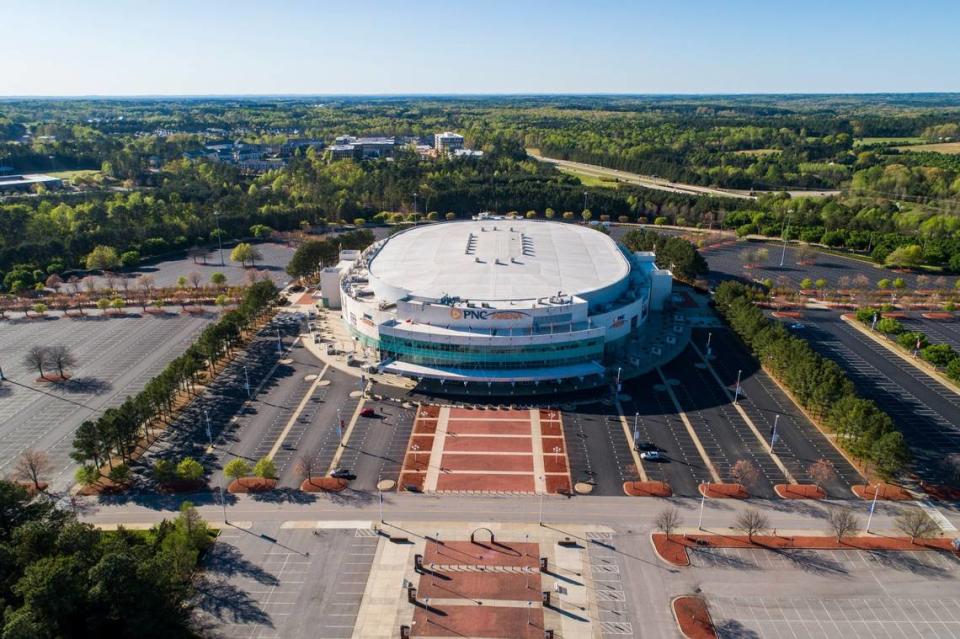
x=143 y=198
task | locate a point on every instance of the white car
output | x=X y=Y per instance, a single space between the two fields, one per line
x=650 y=455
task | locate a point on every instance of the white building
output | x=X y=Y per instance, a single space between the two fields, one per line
x=447 y=142
x=499 y=301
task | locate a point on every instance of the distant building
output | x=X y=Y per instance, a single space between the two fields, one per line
x=25 y=182
x=467 y=153
x=447 y=142
x=348 y=147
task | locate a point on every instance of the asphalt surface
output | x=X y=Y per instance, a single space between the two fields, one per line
x=927 y=414
x=265 y=582
x=115 y=359
x=726 y=262
x=937 y=331
x=597 y=448
x=166 y=272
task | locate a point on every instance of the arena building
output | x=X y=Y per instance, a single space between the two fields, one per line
x=471 y=306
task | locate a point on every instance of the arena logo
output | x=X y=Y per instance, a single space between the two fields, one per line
x=481 y=314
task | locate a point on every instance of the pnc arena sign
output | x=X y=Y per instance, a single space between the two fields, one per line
x=484 y=314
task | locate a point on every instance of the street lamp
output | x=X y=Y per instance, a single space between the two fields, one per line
x=216 y=216
x=703 y=498
x=773 y=432
x=415 y=448
x=786 y=225
x=206 y=416
x=736 y=396
x=541 y=501
x=636 y=429
x=246 y=381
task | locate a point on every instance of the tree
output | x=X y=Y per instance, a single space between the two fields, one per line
x=182 y=281
x=30 y=466
x=194 y=278
x=119 y=474
x=745 y=473
x=260 y=231
x=822 y=471
x=751 y=522
x=587 y=215
x=450 y=216
x=916 y=524
x=164 y=471
x=883 y=284
x=244 y=253
x=87 y=475
x=62 y=358
x=129 y=259
x=843 y=522
x=39 y=308
x=905 y=257
x=667 y=520
x=265 y=468
x=116 y=303
x=237 y=468
x=103 y=258
x=37 y=357
x=806 y=284
x=189 y=469
x=103 y=304
x=218 y=279
x=305 y=467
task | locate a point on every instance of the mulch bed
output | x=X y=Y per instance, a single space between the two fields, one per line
x=724 y=491
x=252 y=485
x=693 y=617
x=674 y=550
x=799 y=491
x=888 y=492
x=323 y=485
x=790 y=314
x=194 y=310
x=937 y=316
x=671 y=550
x=52 y=378
x=155 y=311
x=32 y=490
x=647 y=488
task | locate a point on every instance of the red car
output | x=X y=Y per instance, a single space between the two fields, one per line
x=368 y=412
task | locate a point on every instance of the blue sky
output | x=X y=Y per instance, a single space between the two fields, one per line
x=135 y=47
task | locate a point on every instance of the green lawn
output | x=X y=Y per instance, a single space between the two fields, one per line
x=948 y=148
x=758 y=152
x=591 y=180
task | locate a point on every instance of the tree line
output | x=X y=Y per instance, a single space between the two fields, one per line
x=64 y=578
x=817 y=383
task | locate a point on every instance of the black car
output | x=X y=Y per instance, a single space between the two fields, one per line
x=646 y=446
x=343 y=473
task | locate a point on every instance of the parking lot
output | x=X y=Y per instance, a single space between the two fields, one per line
x=726 y=261
x=937 y=331
x=115 y=359
x=724 y=434
x=924 y=410
x=165 y=272
x=270 y=581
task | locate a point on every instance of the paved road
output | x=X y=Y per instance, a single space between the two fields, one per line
x=937 y=331
x=660 y=184
x=116 y=358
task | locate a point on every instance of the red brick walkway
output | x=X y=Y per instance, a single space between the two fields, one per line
x=486 y=450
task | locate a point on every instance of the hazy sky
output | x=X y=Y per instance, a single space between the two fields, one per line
x=116 y=47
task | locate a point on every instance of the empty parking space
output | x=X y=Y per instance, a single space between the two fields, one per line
x=937 y=331
x=835 y=617
x=924 y=410
x=598 y=450
x=271 y=582
x=115 y=359
x=798 y=442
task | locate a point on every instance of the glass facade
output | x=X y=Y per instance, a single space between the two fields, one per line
x=486 y=357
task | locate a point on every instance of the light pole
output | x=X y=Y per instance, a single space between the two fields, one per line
x=414 y=209
x=380 y=496
x=873 y=506
x=246 y=381
x=736 y=396
x=636 y=429
x=206 y=416
x=279 y=342
x=709 y=339
x=339 y=425
x=773 y=432
x=415 y=448
x=556 y=455
x=541 y=502
x=703 y=498
x=216 y=216
x=786 y=225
